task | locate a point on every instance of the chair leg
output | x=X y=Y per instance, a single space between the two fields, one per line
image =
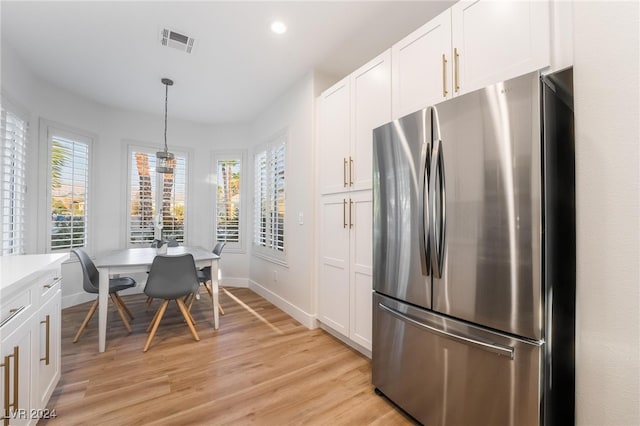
x=210 y=291
x=124 y=306
x=153 y=321
x=148 y=302
x=188 y=299
x=121 y=312
x=189 y=303
x=92 y=310
x=156 y=323
x=187 y=318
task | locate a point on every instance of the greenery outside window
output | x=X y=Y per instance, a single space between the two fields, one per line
x=152 y=194
x=229 y=212
x=69 y=155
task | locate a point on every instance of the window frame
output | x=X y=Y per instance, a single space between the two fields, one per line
x=271 y=254
x=221 y=155
x=129 y=148
x=47 y=129
x=8 y=106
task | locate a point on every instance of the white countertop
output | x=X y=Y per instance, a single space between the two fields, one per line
x=17 y=269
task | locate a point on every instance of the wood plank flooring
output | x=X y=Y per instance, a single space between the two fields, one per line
x=261 y=367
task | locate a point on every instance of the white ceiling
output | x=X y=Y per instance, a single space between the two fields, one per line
x=110 y=52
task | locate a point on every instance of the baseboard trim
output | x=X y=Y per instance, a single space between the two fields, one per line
x=305 y=318
x=364 y=351
x=234 y=282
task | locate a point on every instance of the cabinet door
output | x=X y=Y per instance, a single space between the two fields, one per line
x=498 y=40
x=15 y=374
x=360 y=268
x=333 y=138
x=48 y=351
x=333 y=282
x=370 y=108
x=422 y=66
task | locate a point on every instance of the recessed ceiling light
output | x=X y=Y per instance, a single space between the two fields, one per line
x=278 y=27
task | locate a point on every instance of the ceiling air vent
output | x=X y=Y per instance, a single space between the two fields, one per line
x=171 y=38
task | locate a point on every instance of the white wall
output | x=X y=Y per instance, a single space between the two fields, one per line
x=607 y=91
x=293 y=291
x=113 y=127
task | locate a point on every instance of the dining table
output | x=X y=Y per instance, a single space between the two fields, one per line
x=130 y=260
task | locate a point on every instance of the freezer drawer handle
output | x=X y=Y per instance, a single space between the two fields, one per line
x=497 y=349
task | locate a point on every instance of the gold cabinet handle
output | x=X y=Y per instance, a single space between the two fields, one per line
x=350 y=208
x=13 y=313
x=47 y=323
x=350 y=171
x=16 y=385
x=7 y=371
x=344 y=213
x=444 y=76
x=55 y=281
x=344 y=172
x=16 y=377
x=456 y=65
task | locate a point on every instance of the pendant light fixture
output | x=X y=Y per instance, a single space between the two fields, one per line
x=164 y=157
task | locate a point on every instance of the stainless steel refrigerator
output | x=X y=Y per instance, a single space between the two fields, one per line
x=474 y=257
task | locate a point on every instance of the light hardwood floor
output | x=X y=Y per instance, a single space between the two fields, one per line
x=261 y=367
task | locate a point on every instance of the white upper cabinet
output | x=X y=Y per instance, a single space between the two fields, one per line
x=498 y=40
x=467 y=47
x=333 y=137
x=347 y=114
x=422 y=66
x=370 y=108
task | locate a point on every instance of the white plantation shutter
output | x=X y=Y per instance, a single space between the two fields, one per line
x=13 y=131
x=142 y=186
x=69 y=157
x=151 y=193
x=269 y=198
x=173 y=200
x=228 y=201
x=277 y=198
x=261 y=204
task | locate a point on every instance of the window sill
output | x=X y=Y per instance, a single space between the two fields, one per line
x=277 y=260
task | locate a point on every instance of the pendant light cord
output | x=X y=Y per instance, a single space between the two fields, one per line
x=166 y=96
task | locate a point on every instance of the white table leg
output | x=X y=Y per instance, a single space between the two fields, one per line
x=103 y=306
x=214 y=290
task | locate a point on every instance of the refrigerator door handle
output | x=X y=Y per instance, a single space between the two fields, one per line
x=507 y=351
x=437 y=239
x=423 y=206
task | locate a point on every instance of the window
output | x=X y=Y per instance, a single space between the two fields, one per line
x=269 y=198
x=69 y=188
x=13 y=146
x=228 y=210
x=155 y=198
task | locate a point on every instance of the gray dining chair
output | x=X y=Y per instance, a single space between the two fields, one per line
x=91 y=282
x=204 y=275
x=171 y=278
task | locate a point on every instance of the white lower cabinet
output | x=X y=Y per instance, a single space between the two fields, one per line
x=15 y=376
x=345 y=270
x=30 y=338
x=48 y=357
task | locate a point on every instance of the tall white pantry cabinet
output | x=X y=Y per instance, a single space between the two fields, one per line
x=30 y=339
x=347 y=113
x=472 y=44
